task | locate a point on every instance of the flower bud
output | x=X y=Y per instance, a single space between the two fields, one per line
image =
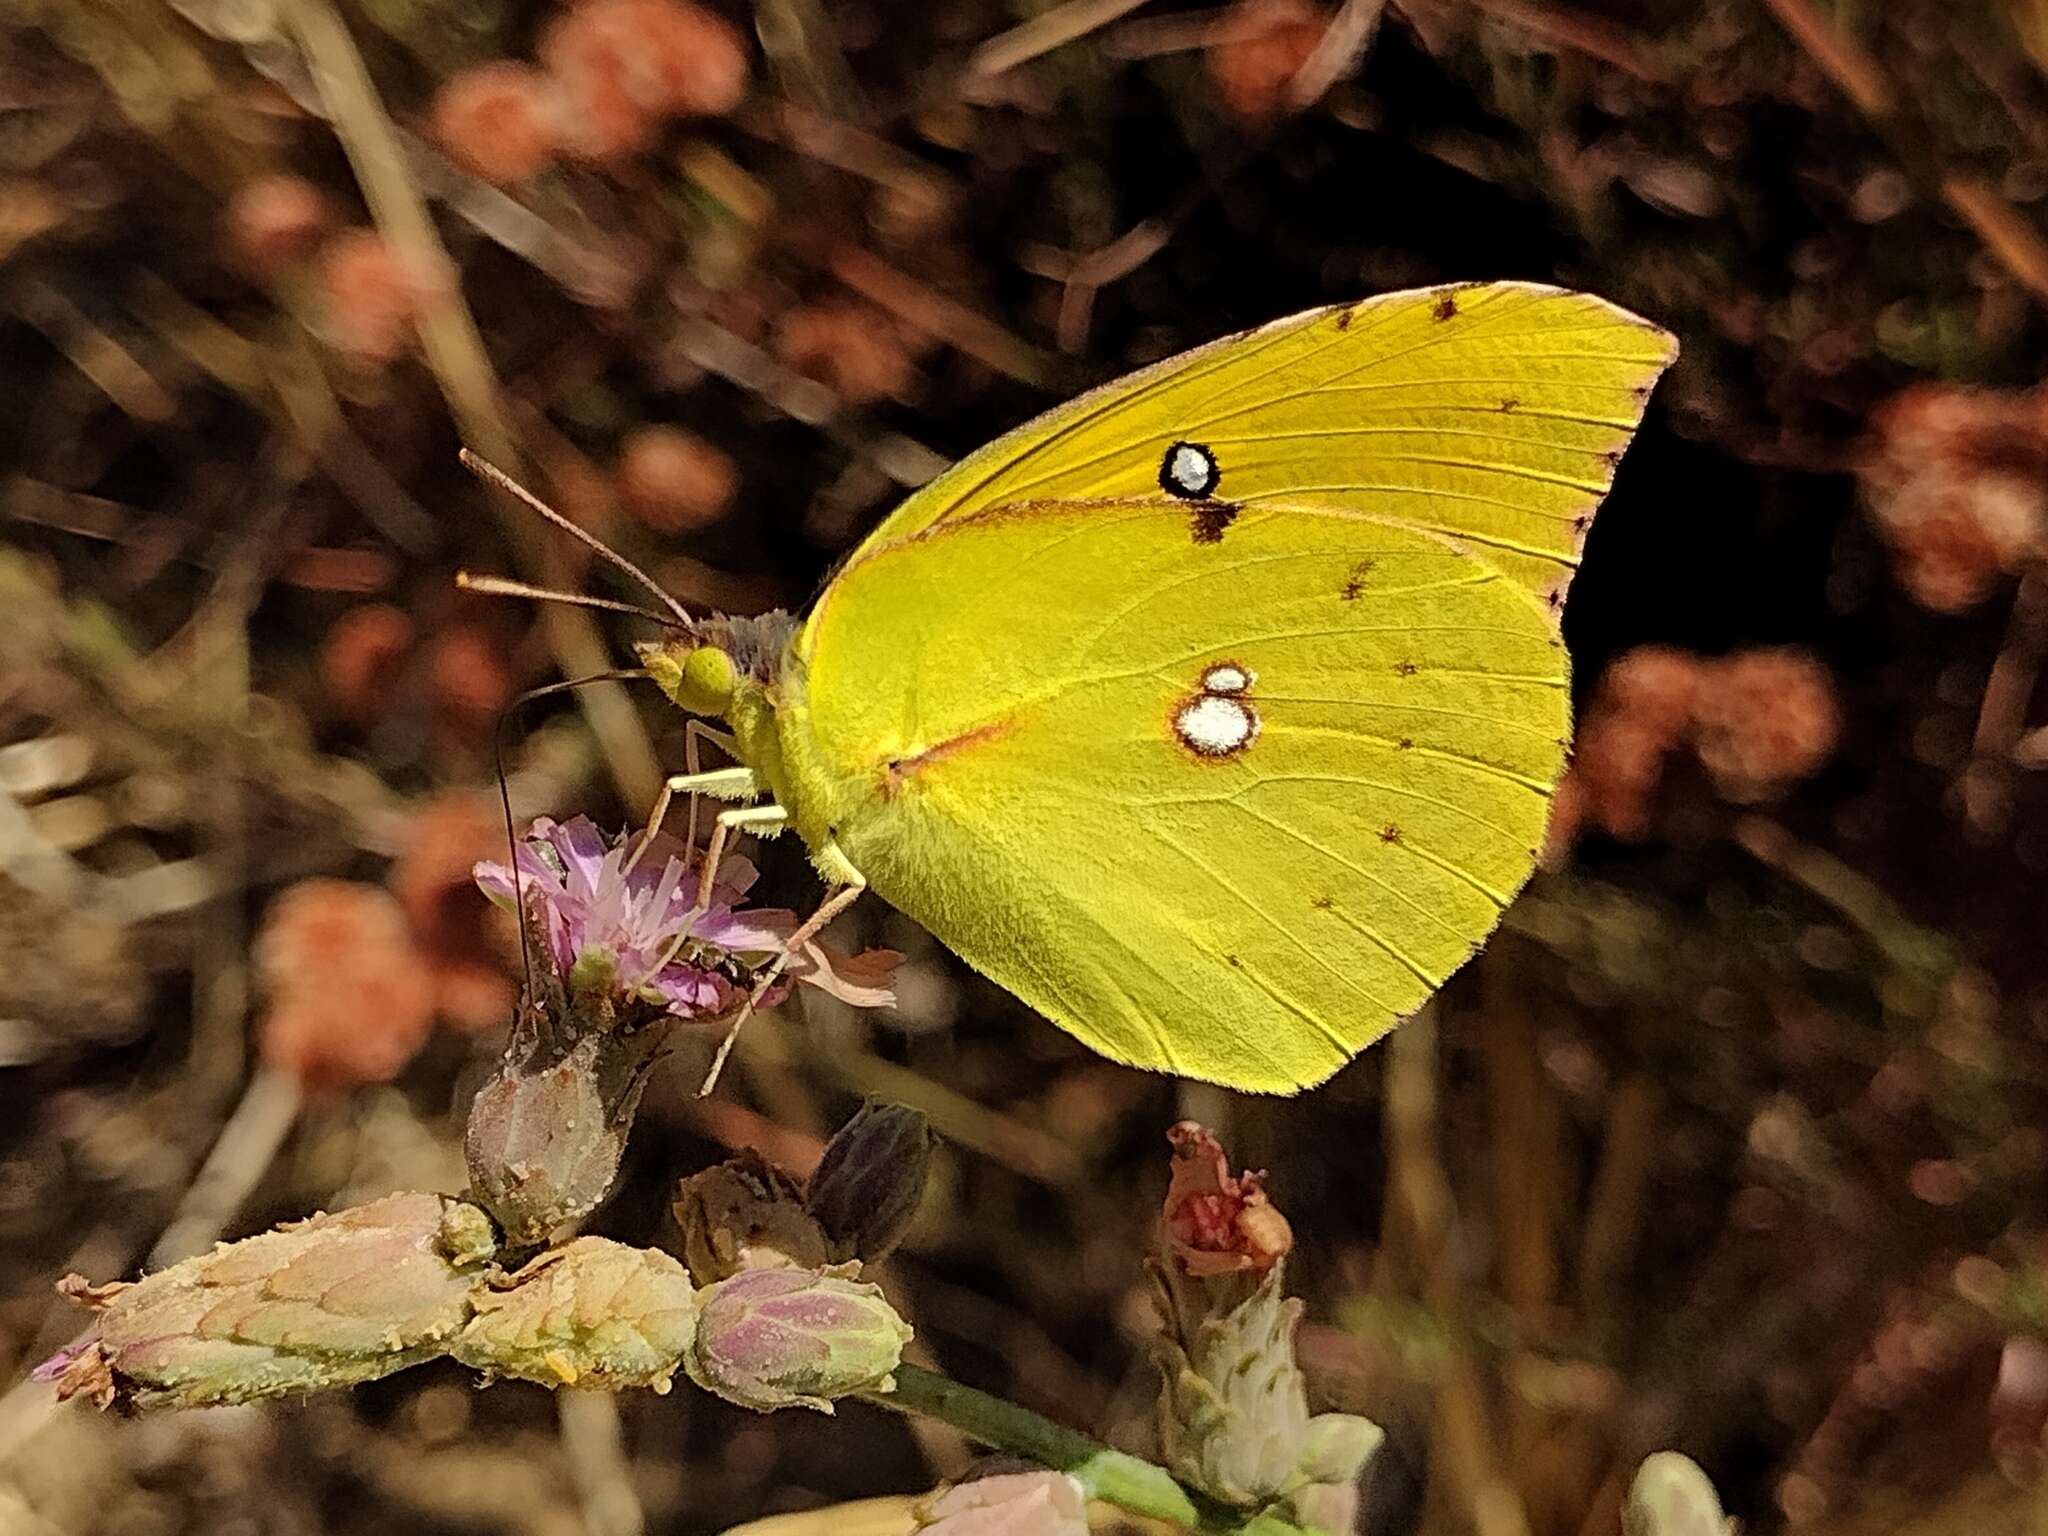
x=320 y=1303
x=547 y=1132
x=777 y=1338
x=1035 y=1503
x=866 y=1187
x=1233 y=1408
x=1336 y=1451
x=1671 y=1496
x=744 y=1214
x=591 y=1313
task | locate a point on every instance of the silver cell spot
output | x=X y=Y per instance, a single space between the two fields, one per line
x=1216 y=725
x=1189 y=471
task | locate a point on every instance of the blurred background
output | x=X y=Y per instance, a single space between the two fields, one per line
x=1732 y=1140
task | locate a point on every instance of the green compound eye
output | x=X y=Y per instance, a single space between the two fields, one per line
x=700 y=680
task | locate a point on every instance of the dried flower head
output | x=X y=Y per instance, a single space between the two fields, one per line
x=1263 y=45
x=468 y=682
x=362 y=658
x=314 y=1304
x=1957 y=481
x=745 y=1213
x=454 y=925
x=498 y=121
x=851 y=348
x=1765 y=719
x=624 y=67
x=789 y=1338
x=275 y=222
x=673 y=480
x=349 y=997
x=373 y=295
x=1216 y=1222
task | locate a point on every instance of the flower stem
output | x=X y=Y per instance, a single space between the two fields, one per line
x=1126 y=1481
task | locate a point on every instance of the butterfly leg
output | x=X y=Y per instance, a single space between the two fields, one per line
x=727 y=783
x=835 y=902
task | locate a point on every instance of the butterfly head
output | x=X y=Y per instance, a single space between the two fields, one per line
x=705 y=668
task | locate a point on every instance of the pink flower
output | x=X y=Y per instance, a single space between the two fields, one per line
x=639 y=931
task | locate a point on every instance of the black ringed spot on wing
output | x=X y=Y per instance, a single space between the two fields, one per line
x=1189 y=471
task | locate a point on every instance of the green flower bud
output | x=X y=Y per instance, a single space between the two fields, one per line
x=547 y=1132
x=591 y=1313
x=777 y=1338
x=744 y=1214
x=1035 y=1503
x=320 y=1303
x=1671 y=1496
x=1233 y=1408
x=866 y=1187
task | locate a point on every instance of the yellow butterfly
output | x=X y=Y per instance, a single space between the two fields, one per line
x=1215 y=713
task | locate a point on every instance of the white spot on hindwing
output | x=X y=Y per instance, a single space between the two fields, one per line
x=1218 y=720
x=1189 y=471
x=1216 y=725
x=1226 y=677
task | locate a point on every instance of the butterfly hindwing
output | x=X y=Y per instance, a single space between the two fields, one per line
x=1222 y=805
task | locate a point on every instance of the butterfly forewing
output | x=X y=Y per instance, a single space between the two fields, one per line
x=1493 y=413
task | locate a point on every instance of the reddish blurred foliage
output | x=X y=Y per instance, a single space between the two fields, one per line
x=499 y=121
x=673 y=480
x=1758 y=721
x=462 y=938
x=1218 y=1222
x=1957 y=480
x=624 y=67
x=851 y=348
x=1263 y=44
x=362 y=659
x=373 y=295
x=275 y=222
x=349 y=998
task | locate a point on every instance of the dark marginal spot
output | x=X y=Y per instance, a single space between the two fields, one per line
x=1510 y=403
x=1189 y=471
x=1555 y=598
x=1390 y=833
x=1612 y=458
x=1404 y=744
x=1581 y=523
x=1446 y=308
x=1209 y=520
x=1344 y=319
x=1405 y=669
x=1354 y=581
x=1233 y=960
x=1323 y=903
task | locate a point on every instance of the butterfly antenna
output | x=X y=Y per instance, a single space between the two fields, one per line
x=491 y=475
x=505 y=586
x=505 y=717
